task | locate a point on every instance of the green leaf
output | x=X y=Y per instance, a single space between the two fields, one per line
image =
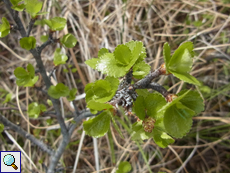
x=141 y=69
x=59 y=58
x=19 y=7
x=56 y=23
x=153 y=103
x=28 y=42
x=30 y=70
x=122 y=54
x=132 y=44
x=33 y=7
x=181 y=61
x=1 y=127
x=178 y=120
x=98 y=106
x=169 y=104
x=60 y=90
x=187 y=78
x=92 y=62
x=149 y=105
x=25 y=78
x=180 y=64
x=32 y=81
x=139 y=107
x=44 y=38
x=138 y=133
x=39 y=22
x=102 y=51
x=161 y=138
x=108 y=65
x=124 y=167
x=22 y=76
x=166 y=53
x=35 y=109
x=49 y=102
x=16 y=6
x=88 y=87
x=7 y=99
x=72 y=94
x=97 y=126
x=114 y=83
x=193 y=101
x=142 y=92
x=100 y=91
x=118 y=63
x=15 y=2
x=136 y=53
x=4 y=28
x=68 y=40
x=42 y=13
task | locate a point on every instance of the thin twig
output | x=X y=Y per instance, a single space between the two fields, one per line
x=55 y=158
x=31 y=24
x=157 y=87
x=23 y=133
x=143 y=83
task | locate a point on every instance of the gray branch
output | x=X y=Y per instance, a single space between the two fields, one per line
x=24 y=134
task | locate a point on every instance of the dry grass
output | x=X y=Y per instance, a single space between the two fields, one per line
x=97 y=24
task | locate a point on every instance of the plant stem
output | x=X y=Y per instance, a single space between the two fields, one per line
x=23 y=133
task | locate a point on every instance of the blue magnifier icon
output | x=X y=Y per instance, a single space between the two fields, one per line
x=9 y=160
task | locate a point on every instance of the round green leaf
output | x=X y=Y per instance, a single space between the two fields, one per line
x=122 y=54
x=72 y=94
x=138 y=133
x=25 y=78
x=193 y=101
x=136 y=54
x=20 y=72
x=108 y=65
x=176 y=100
x=60 y=90
x=97 y=126
x=35 y=109
x=139 y=107
x=141 y=69
x=102 y=91
x=102 y=51
x=30 y=70
x=33 y=7
x=32 y=81
x=44 y=38
x=161 y=138
x=68 y=40
x=92 y=62
x=56 y=23
x=98 y=106
x=153 y=103
x=28 y=42
x=4 y=27
x=182 y=63
x=59 y=58
x=178 y=120
x=124 y=167
x=132 y=44
x=49 y=102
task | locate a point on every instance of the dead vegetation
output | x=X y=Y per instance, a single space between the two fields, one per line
x=98 y=24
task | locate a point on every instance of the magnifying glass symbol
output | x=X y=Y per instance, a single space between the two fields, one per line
x=9 y=160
